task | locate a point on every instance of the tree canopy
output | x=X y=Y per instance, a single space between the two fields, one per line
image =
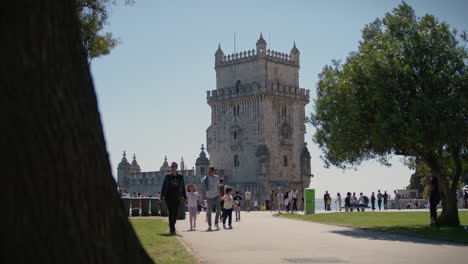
x=403 y=92
x=93 y=15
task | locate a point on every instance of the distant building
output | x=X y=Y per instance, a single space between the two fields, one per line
x=131 y=179
x=258 y=120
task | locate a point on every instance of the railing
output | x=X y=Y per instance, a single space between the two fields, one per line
x=144 y=206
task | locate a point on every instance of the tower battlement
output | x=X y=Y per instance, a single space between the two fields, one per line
x=257 y=65
x=252 y=89
x=250 y=55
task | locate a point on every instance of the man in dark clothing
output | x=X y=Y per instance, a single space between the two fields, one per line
x=173 y=191
x=372 y=199
x=347 y=202
x=465 y=199
x=222 y=188
x=434 y=199
x=325 y=199
x=385 y=200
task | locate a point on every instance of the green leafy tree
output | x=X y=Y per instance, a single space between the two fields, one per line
x=93 y=15
x=403 y=92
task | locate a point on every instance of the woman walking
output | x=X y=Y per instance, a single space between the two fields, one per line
x=173 y=191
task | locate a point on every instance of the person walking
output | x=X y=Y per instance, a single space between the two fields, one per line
x=434 y=199
x=294 y=200
x=272 y=201
x=325 y=200
x=397 y=200
x=222 y=188
x=379 y=199
x=385 y=200
x=228 y=205
x=173 y=191
x=348 y=202
x=276 y=198
x=248 y=197
x=280 y=201
x=237 y=201
x=213 y=196
x=465 y=200
x=372 y=200
x=338 y=200
x=286 y=201
x=192 y=197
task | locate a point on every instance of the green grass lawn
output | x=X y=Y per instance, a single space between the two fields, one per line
x=153 y=234
x=408 y=223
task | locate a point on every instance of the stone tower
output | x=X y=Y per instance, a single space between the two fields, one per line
x=257 y=120
x=123 y=172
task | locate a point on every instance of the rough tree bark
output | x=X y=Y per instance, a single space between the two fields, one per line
x=60 y=200
x=449 y=214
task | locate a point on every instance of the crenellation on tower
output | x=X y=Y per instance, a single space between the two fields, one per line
x=253 y=89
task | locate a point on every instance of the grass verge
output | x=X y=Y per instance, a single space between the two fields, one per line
x=153 y=234
x=407 y=223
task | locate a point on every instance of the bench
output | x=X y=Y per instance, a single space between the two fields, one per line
x=357 y=207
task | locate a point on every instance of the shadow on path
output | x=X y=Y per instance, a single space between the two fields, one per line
x=390 y=236
x=314 y=260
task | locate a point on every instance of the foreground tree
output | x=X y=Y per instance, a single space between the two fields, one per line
x=404 y=92
x=60 y=200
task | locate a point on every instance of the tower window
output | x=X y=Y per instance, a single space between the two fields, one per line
x=236 y=161
x=202 y=171
x=235 y=134
x=236 y=110
x=285 y=161
x=283 y=112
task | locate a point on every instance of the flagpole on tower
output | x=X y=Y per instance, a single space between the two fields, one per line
x=234 y=42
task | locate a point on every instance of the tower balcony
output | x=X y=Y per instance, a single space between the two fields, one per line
x=254 y=89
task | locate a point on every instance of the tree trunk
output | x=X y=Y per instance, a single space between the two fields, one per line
x=449 y=214
x=60 y=200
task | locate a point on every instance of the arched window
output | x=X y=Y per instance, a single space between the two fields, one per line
x=202 y=170
x=235 y=134
x=236 y=161
x=285 y=161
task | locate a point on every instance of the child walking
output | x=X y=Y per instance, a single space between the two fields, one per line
x=227 y=208
x=192 y=196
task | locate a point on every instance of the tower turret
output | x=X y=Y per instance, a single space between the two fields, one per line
x=123 y=171
x=261 y=46
x=135 y=167
x=165 y=167
x=295 y=54
x=182 y=164
x=202 y=163
x=219 y=56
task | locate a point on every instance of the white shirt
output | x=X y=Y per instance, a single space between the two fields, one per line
x=192 y=199
x=213 y=183
x=280 y=195
x=248 y=195
x=227 y=201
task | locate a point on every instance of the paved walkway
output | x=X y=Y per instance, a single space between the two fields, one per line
x=262 y=238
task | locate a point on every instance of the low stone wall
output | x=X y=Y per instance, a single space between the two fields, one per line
x=144 y=206
x=424 y=202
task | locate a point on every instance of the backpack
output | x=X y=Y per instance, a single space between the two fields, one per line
x=366 y=200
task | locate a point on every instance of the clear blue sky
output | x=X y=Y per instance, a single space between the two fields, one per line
x=152 y=88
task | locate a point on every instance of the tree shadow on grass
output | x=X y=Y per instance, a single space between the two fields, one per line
x=421 y=235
